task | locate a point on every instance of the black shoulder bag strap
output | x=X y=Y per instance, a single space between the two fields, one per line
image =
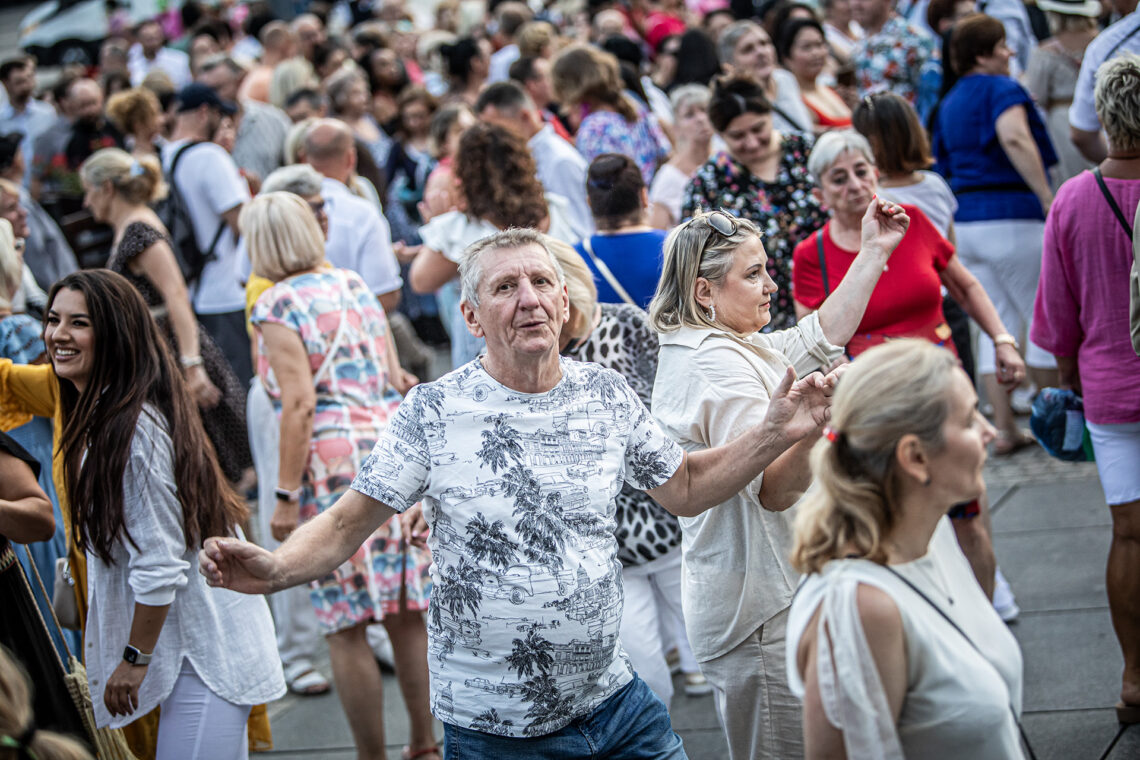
x=822 y=262
x=1112 y=203
x=969 y=641
x=208 y=254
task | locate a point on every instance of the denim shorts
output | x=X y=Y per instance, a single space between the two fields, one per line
x=633 y=723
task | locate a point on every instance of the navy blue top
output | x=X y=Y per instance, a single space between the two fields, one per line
x=969 y=155
x=634 y=259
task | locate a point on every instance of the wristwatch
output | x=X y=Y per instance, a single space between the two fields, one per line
x=136 y=657
x=284 y=494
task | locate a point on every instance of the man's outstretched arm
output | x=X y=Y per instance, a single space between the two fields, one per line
x=312 y=551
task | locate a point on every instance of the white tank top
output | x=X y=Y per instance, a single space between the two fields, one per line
x=957 y=701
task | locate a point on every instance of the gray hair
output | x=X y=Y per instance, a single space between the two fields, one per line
x=726 y=43
x=831 y=145
x=299 y=179
x=1118 y=101
x=692 y=250
x=471 y=266
x=689 y=92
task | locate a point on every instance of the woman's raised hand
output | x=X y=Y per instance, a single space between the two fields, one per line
x=884 y=225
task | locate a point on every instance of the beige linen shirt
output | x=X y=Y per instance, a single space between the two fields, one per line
x=711 y=387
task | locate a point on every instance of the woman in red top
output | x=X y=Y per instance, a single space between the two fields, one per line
x=907 y=302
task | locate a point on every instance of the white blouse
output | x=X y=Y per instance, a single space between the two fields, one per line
x=228 y=637
x=958 y=701
x=711 y=387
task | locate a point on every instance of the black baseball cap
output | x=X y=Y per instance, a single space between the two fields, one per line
x=197 y=94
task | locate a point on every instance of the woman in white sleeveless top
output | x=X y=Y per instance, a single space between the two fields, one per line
x=892 y=645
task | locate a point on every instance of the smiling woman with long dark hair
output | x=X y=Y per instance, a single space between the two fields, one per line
x=146 y=490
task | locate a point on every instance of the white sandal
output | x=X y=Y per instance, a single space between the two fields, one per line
x=306 y=681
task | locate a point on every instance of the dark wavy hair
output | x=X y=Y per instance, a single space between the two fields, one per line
x=497 y=174
x=133 y=366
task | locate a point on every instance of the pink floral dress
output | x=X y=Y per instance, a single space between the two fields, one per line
x=354 y=402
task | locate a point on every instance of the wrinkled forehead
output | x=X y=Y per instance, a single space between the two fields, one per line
x=526 y=260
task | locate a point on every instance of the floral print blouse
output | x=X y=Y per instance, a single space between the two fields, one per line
x=609 y=132
x=785 y=210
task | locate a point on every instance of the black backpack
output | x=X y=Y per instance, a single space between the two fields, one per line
x=175 y=215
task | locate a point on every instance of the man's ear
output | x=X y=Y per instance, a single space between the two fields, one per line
x=471 y=319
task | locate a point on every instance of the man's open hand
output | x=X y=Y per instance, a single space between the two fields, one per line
x=800 y=408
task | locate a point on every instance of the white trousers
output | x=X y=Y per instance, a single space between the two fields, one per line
x=762 y=719
x=197 y=724
x=1005 y=256
x=652 y=617
x=297 y=635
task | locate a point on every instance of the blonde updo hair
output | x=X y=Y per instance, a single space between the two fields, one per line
x=896 y=389
x=282 y=235
x=16 y=718
x=580 y=287
x=11 y=267
x=694 y=249
x=137 y=180
x=133 y=110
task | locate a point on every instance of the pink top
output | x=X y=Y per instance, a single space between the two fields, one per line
x=1082 y=301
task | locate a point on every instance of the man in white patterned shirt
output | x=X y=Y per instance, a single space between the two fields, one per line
x=517 y=457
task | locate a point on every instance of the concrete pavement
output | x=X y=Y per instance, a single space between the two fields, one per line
x=1051 y=532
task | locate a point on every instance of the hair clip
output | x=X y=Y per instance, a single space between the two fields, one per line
x=830 y=434
x=136 y=169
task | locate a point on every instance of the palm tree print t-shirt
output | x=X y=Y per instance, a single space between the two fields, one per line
x=519 y=490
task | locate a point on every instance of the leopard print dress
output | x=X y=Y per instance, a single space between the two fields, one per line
x=623 y=342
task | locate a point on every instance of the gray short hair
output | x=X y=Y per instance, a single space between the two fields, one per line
x=689 y=92
x=831 y=145
x=471 y=266
x=726 y=43
x=1118 y=101
x=299 y=179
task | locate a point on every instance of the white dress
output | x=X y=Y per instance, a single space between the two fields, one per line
x=958 y=702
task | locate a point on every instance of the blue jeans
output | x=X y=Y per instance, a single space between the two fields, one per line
x=631 y=724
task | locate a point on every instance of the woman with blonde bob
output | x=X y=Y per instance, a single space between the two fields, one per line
x=325 y=355
x=118 y=190
x=718 y=372
x=928 y=667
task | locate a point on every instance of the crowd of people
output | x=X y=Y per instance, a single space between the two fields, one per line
x=576 y=345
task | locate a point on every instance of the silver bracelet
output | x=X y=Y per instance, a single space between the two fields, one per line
x=189 y=362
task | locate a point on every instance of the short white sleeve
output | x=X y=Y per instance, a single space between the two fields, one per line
x=451 y=233
x=378 y=265
x=1082 y=113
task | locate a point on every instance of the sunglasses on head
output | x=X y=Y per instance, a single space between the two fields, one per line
x=724 y=224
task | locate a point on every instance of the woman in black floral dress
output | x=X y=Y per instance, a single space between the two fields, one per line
x=117 y=188
x=762 y=177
